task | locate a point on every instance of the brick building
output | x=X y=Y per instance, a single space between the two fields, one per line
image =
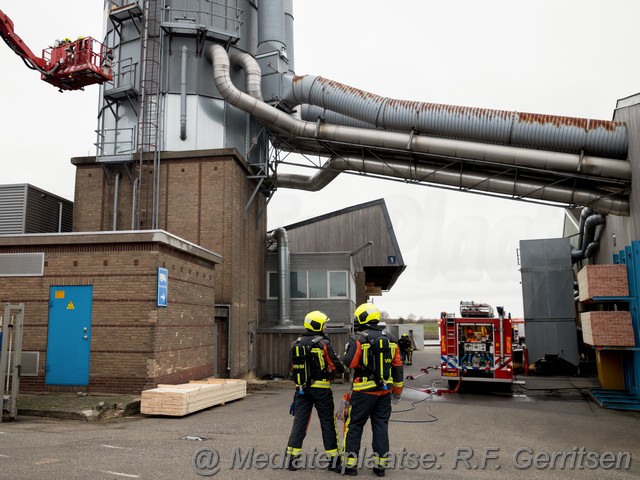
x=134 y=344
x=206 y=197
x=211 y=239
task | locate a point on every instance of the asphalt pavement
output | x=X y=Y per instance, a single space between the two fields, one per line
x=548 y=428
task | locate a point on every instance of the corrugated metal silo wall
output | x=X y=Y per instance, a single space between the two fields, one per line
x=210 y=123
x=547 y=293
x=12 y=209
x=44 y=210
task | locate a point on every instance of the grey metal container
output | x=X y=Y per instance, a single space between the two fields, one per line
x=28 y=209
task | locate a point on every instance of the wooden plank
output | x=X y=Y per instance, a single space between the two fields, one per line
x=607 y=328
x=182 y=399
x=603 y=281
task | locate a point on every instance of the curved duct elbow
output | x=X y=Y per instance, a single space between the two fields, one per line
x=284 y=279
x=584 y=214
x=252 y=73
x=312 y=183
x=589 y=236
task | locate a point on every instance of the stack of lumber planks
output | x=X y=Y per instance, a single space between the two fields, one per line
x=180 y=400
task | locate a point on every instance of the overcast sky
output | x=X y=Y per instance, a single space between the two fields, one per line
x=563 y=57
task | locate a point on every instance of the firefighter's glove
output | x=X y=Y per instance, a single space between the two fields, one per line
x=395 y=398
x=342 y=412
x=292 y=407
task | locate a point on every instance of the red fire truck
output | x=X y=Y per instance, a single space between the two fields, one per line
x=476 y=347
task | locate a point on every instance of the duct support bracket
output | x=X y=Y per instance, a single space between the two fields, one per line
x=580 y=160
x=413 y=131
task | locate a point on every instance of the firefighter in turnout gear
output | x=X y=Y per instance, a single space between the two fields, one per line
x=313 y=363
x=406 y=349
x=374 y=357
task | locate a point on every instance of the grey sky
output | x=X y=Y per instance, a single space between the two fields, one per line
x=563 y=57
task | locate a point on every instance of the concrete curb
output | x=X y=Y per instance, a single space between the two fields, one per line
x=101 y=411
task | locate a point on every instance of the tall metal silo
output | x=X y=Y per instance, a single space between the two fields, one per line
x=163 y=97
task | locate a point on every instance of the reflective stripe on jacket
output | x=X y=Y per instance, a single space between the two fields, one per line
x=356 y=357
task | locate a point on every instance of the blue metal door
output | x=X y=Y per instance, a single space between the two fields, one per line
x=69 y=335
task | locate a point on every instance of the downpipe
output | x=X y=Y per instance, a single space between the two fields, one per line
x=284 y=282
x=183 y=95
x=116 y=195
x=134 y=202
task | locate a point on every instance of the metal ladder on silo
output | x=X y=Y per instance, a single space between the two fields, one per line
x=149 y=117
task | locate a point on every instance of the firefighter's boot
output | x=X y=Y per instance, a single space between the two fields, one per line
x=292 y=462
x=336 y=464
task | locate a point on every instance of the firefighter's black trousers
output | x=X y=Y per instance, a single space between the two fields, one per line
x=322 y=399
x=366 y=406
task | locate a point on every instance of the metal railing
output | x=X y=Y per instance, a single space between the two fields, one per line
x=204 y=14
x=116 y=144
x=125 y=76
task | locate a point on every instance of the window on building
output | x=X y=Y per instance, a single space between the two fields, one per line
x=337 y=284
x=273 y=285
x=317 y=284
x=299 y=284
x=312 y=284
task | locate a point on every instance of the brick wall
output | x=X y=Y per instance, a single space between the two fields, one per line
x=134 y=343
x=202 y=199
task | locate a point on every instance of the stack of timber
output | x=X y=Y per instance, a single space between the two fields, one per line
x=186 y=398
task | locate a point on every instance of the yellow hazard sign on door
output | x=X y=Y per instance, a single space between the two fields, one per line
x=71 y=306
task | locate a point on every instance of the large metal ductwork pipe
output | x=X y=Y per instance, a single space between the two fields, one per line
x=584 y=214
x=271 y=26
x=312 y=113
x=497 y=154
x=477 y=181
x=590 y=229
x=527 y=130
x=284 y=278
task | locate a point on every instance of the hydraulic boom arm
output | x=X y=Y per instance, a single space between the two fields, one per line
x=16 y=44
